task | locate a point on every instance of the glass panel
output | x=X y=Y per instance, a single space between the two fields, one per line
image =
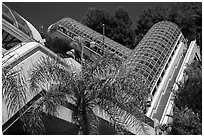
x=7 y=15
x=22 y=25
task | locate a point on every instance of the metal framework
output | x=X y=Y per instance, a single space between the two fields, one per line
x=153 y=51
x=16 y=20
x=9 y=41
x=73 y=28
x=14 y=28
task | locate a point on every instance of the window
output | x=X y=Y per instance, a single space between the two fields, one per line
x=150 y=78
x=145 y=74
x=195 y=58
x=154 y=70
x=150 y=65
x=154 y=91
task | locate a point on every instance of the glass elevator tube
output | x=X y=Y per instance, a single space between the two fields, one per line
x=153 y=51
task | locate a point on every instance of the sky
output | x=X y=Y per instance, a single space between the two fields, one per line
x=47 y=13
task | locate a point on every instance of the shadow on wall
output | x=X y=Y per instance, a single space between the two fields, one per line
x=56 y=126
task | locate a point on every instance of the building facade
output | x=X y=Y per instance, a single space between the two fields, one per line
x=160 y=59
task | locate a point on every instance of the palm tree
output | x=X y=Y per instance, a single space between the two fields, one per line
x=101 y=89
x=14 y=95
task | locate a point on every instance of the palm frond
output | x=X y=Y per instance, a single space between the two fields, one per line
x=121 y=114
x=57 y=80
x=32 y=119
x=48 y=72
x=52 y=100
x=14 y=89
x=121 y=96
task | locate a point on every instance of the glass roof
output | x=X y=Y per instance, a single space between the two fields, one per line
x=79 y=29
x=15 y=19
x=150 y=55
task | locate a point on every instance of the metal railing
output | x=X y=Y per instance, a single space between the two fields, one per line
x=103 y=44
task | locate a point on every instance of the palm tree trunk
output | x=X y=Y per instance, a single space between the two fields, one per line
x=85 y=124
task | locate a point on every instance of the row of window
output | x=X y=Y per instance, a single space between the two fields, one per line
x=98 y=41
x=94 y=34
x=165 y=68
x=97 y=49
x=86 y=43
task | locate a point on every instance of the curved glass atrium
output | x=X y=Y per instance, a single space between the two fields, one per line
x=15 y=29
x=73 y=28
x=151 y=54
x=15 y=19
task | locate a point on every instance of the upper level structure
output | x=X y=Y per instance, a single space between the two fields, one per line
x=15 y=29
x=151 y=55
x=67 y=28
x=159 y=59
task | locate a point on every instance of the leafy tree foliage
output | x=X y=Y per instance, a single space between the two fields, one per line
x=188 y=16
x=58 y=46
x=95 y=18
x=190 y=92
x=118 y=27
x=122 y=15
x=124 y=33
x=185 y=122
x=187 y=111
x=147 y=19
